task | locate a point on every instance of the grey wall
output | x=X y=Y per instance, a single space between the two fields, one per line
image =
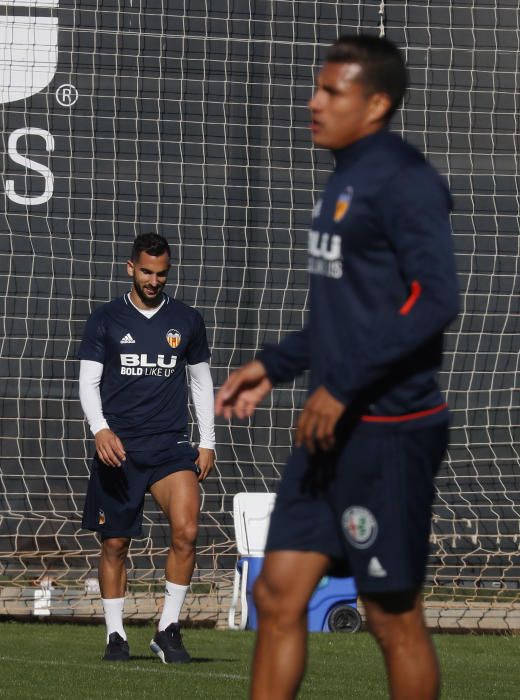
x=191 y=120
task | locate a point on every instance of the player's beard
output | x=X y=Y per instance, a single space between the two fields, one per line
x=149 y=301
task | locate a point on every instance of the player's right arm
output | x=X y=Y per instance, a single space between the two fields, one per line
x=242 y=391
x=108 y=446
x=248 y=386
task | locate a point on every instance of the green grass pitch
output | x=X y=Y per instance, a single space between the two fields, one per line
x=63 y=662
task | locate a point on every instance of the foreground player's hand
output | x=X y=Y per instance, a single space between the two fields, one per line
x=109 y=448
x=318 y=421
x=205 y=462
x=242 y=391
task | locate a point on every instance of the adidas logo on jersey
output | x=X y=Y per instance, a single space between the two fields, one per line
x=127 y=339
x=375 y=568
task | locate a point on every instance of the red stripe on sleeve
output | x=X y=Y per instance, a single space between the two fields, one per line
x=415 y=293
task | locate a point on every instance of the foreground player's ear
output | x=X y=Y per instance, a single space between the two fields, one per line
x=130 y=268
x=380 y=104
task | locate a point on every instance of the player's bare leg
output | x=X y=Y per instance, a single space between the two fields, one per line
x=112 y=583
x=112 y=567
x=282 y=593
x=178 y=496
x=397 y=622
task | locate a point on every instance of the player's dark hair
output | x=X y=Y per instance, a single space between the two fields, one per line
x=150 y=243
x=382 y=64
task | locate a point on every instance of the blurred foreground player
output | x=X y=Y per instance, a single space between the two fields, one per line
x=134 y=393
x=356 y=494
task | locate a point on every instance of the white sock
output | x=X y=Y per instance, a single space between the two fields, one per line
x=113 y=608
x=173 y=599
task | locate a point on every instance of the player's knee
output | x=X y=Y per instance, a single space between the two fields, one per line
x=184 y=537
x=386 y=635
x=272 y=602
x=394 y=619
x=116 y=548
x=264 y=596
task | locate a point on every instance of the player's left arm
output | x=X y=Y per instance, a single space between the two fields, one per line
x=201 y=384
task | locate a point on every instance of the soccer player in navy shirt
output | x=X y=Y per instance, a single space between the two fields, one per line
x=357 y=492
x=133 y=389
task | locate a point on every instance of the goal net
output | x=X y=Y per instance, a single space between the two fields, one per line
x=189 y=117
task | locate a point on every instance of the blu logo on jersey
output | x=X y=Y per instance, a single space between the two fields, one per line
x=139 y=365
x=325 y=254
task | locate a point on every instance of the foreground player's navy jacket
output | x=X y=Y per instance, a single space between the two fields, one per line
x=383 y=284
x=144 y=389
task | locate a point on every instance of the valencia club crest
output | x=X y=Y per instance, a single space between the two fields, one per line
x=343 y=204
x=173 y=338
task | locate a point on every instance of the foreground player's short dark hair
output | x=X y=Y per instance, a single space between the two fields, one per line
x=383 y=66
x=150 y=243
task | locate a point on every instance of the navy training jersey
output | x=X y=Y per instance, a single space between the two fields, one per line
x=144 y=388
x=383 y=283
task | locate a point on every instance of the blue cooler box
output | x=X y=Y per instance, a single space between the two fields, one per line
x=332 y=608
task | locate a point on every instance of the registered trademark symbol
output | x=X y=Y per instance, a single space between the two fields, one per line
x=67 y=95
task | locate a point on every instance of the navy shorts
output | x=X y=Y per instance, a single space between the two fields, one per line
x=115 y=495
x=366 y=505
